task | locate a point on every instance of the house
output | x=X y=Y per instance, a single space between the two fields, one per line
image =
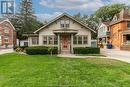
x=103 y=33
x=120 y=30
x=64 y=32
x=7 y=34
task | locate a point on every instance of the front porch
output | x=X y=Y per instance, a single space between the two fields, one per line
x=65 y=40
x=126 y=40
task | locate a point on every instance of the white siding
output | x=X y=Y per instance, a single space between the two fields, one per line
x=73 y=25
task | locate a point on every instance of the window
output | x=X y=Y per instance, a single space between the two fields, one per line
x=128 y=24
x=0 y=40
x=85 y=40
x=79 y=39
x=44 y=39
x=34 y=40
x=62 y=23
x=55 y=40
x=50 y=39
x=67 y=23
x=6 y=30
x=6 y=39
x=75 y=40
x=25 y=43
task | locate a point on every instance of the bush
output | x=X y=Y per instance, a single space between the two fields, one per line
x=42 y=50
x=86 y=50
x=20 y=48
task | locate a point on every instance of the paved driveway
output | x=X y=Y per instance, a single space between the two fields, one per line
x=117 y=54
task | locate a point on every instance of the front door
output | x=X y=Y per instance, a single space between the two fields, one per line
x=65 y=43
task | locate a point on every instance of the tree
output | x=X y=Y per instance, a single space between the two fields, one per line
x=24 y=21
x=107 y=12
x=78 y=16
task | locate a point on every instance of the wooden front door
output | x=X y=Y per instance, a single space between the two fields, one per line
x=65 y=43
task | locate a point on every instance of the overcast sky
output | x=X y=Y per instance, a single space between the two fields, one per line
x=48 y=9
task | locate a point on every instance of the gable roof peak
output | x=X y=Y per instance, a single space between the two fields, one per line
x=69 y=16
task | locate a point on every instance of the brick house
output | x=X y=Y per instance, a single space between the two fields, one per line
x=120 y=30
x=7 y=34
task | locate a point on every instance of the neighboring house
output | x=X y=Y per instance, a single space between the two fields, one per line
x=103 y=33
x=7 y=34
x=120 y=30
x=22 y=42
x=65 y=32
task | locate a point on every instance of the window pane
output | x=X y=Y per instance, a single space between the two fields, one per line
x=67 y=23
x=85 y=40
x=6 y=30
x=0 y=40
x=55 y=40
x=44 y=39
x=79 y=39
x=34 y=40
x=6 y=39
x=62 y=23
x=50 y=40
x=75 y=40
x=128 y=24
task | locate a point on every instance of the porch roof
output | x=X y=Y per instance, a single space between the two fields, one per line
x=65 y=31
x=126 y=32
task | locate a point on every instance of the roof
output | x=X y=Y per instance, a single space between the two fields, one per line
x=106 y=23
x=2 y=20
x=123 y=15
x=65 y=14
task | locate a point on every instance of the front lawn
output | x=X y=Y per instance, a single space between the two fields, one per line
x=43 y=71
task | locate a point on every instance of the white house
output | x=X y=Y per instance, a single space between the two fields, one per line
x=65 y=32
x=103 y=33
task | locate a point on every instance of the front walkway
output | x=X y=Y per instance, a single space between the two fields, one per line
x=74 y=56
x=4 y=51
x=109 y=53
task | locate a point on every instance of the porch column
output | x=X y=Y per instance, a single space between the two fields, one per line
x=58 y=43
x=72 y=43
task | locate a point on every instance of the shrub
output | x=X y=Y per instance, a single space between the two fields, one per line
x=86 y=50
x=42 y=50
x=20 y=48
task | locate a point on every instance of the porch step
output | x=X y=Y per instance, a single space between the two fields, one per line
x=65 y=52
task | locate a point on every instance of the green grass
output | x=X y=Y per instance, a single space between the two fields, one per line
x=46 y=71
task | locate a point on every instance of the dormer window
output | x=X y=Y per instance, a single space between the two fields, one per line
x=65 y=23
x=62 y=23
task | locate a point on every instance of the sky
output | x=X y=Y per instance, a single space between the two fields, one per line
x=48 y=9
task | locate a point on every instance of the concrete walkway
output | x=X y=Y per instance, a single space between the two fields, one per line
x=74 y=56
x=4 y=51
x=109 y=53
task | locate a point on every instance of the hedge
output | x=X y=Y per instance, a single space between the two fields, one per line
x=41 y=50
x=86 y=50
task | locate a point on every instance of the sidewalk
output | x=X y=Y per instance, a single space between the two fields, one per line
x=83 y=57
x=4 y=51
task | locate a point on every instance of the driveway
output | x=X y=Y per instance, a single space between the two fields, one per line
x=4 y=51
x=117 y=54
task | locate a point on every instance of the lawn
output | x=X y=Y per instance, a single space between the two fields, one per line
x=46 y=71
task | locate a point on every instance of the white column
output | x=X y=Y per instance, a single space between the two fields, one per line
x=89 y=38
x=58 y=43
x=72 y=43
x=40 y=40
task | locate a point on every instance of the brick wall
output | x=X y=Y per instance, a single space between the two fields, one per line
x=125 y=47
x=116 y=33
x=11 y=35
